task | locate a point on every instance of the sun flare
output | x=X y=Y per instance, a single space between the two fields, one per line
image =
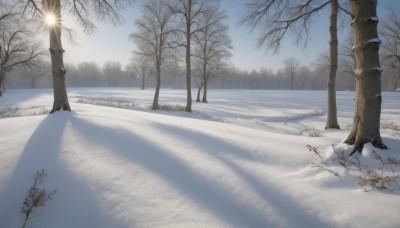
x=50 y=19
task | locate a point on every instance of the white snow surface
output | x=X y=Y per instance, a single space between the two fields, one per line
x=238 y=161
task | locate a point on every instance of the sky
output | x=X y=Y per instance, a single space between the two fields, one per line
x=111 y=43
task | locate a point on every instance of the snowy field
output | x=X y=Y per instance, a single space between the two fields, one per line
x=239 y=161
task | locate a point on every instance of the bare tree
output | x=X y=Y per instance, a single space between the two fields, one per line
x=331 y=120
x=390 y=33
x=152 y=38
x=368 y=76
x=189 y=11
x=140 y=66
x=104 y=9
x=16 y=47
x=37 y=73
x=292 y=64
x=198 y=78
x=213 y=45
x=277 y=17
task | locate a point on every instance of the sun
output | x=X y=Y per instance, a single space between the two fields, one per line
x=50 y=19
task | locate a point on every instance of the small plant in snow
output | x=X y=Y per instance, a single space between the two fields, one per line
x=35 y=197
x=9 y=112
x=310 y=131
x=381 y=178
x=392 y=126
x=321 y=164
x=318 y=112
x=341 y=157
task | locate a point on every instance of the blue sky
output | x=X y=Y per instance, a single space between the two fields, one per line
x=111 y=43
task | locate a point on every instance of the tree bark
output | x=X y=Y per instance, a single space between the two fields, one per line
x=204 y=100
x=292 y=79
x=143 y=77
x=142 y=86
x=331 y=121
x=57 y=63
x=2 y=77
x=157 y=93
x=188 y=63
x=368 y=76
x=198 y=92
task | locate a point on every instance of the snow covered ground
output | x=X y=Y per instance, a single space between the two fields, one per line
x=239 y=161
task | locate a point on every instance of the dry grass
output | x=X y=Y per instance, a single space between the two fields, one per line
x=35 y=197
x=383 y=177
x=172 y=107
x=113 y=104
x=310 y=131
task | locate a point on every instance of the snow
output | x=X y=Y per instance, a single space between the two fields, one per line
x=373 y=19
x=360 y=70
x=374 y=40
x=239 y=161
x=377 y=69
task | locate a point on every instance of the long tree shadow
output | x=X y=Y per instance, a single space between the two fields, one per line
x=202 y=191
x=284 y=204
x=72 y=205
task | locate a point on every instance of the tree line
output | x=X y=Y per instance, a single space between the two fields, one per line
x=113 y=74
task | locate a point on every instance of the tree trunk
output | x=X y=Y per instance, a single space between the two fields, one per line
x=142 y=86
x=143 y=77
x=292 y=78
x=188 y=64
x=397 y=82
x=157 y=93
x=368 y=76
x=57 y=63
x=205 y=90
x=2 y=77
x=198 y=92
x=331 y=121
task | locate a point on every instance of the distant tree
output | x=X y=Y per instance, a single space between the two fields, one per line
x=302 y=77
x=104 y=9
x=112 y=72
x=367 y=114
x=348 y=62
x=213 y=45
x=37 y=73
x=153 y=38
x=198 y=79
x=88 y=74
x=292 y=64
x=189 y=11
x=390 y=33
x=17 y=48
x=140 y=66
